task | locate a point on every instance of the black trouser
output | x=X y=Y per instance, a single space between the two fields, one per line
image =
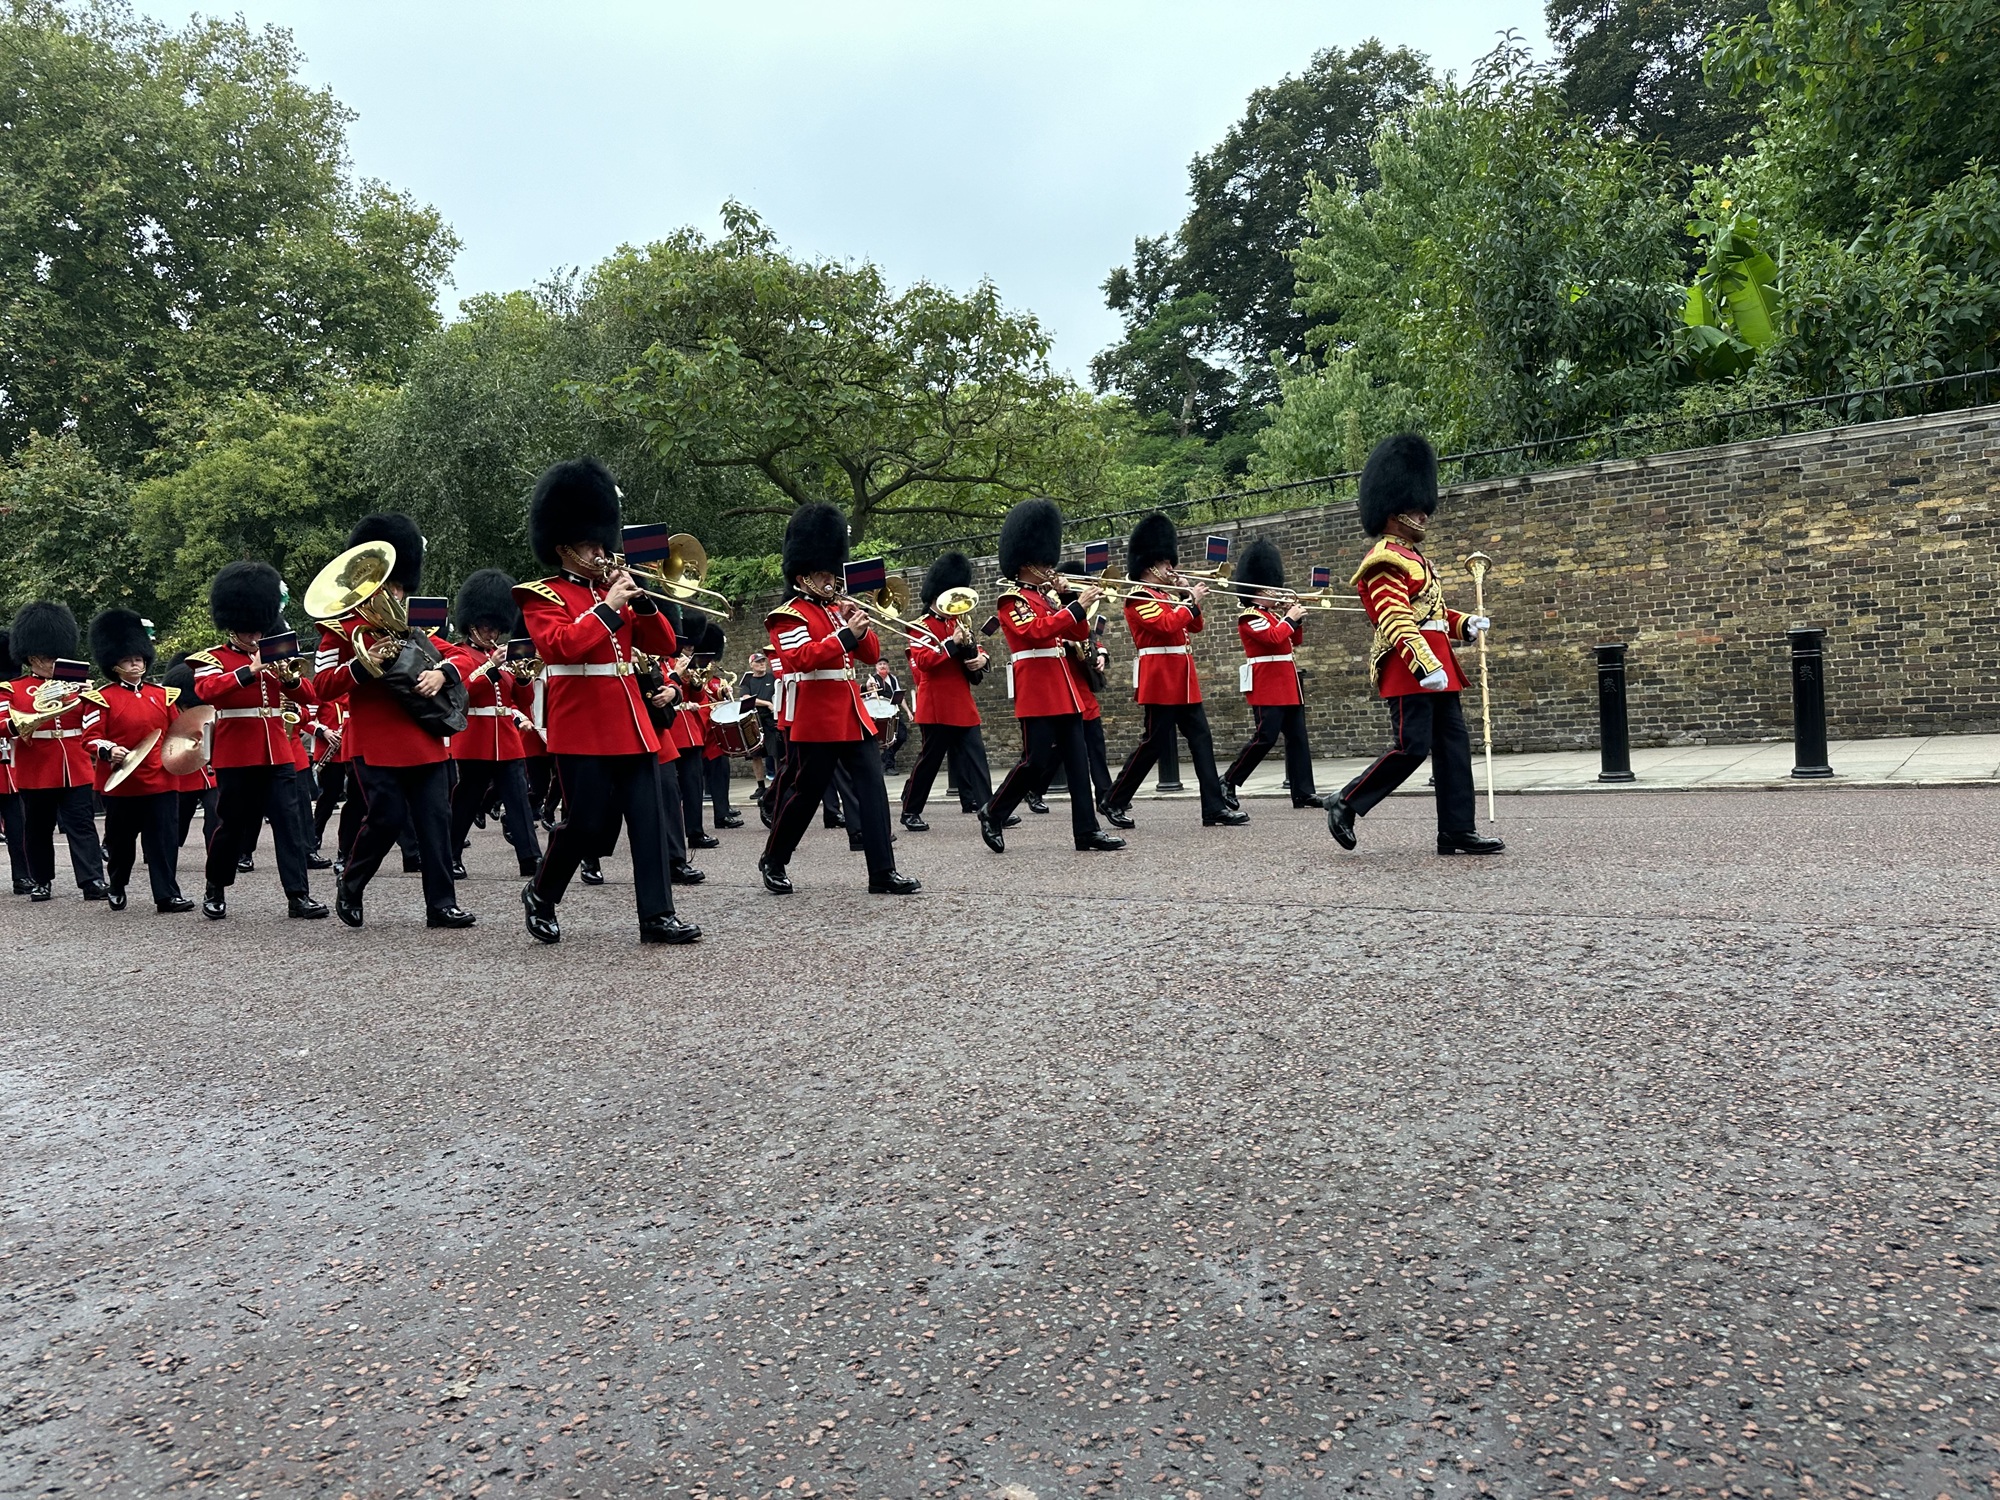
x=715 y=778
x=1424 y=724
x=14 y=819
x=244 y=797
x=1274 y=719
x=688 y=775
x=962 y=747
x=896 y=742
x=152 y=821
x=478 y=780
x=670 y=819
x=542 y=788
x=598 y=793
x=812 y=768
x=1162 y=720
x=70 y=808
x=350 y=820
x=333 y=786
x=1100 y=770
x=202 y=800
x=1051 y=740
x=391 y=796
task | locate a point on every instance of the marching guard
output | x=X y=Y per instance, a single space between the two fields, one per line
x=822 y=634
x=1038 y=627
x=1166 y=683
x=255 y=772
x=1410 y=660
x=946 y=664
x=1269 y=675
x=142 y=808
x=489 y=754
x=12 y=818
x=586 y=620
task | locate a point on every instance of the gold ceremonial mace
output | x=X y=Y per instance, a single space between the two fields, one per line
x=1479 y=562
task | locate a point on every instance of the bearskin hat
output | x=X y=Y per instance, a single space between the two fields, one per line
x=815 y=541
x=575 y=501
x=1031 y=535
x=401 y=533
x=952 y=570
x=44 y=629
x=705 y=638
x=1400 y=475
x=1153 y=540
x=486 y=598
x=245 y=598
x=180 y=674
x=1259 y=566
x=116 y=634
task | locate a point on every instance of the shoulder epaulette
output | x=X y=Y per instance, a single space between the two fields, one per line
x=541 y=588
x=784 y=612
x=1248 y=611
x=173 y=695
x=1385 y=554
x=206 y=658
x=93 y=695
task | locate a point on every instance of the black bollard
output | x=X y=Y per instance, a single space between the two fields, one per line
x=1614 y=733
x=1170 y=765
x=1809 y=703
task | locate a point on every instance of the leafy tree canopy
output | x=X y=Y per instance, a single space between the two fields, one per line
x=1635 y=66
x=177 y=224
x=922 y=407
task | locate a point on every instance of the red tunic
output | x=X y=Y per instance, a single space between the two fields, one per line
x=1413 y=628
x=821 y=695
x=52 y=756
x=713 y=691
x=125 y=716
x=1039 y=678
x=248 y=729
x=497 y=703
x=1163 y=664
x=1269 y=677
x=380 y=730
x=591 y=705
x=944 y=692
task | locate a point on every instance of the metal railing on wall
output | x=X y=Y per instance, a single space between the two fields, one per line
x=1537 y=455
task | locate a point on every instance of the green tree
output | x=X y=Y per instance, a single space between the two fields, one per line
x=177 y=224
x=263 y=481
x=1159 y=365
x=1512 y=274
x=1635 y=66
x=1873 y=105
x=65 y=523
x=916 y=409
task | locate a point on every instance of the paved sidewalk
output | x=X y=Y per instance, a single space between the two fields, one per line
x=1911 y=760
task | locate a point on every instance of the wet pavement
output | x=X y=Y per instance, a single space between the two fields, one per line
x=1656 y=1156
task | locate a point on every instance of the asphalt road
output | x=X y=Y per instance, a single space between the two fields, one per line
x=1656 y=1156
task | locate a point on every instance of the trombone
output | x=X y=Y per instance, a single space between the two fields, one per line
x=680 y=577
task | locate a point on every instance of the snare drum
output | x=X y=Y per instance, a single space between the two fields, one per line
x=734 y=729
x=885 y=714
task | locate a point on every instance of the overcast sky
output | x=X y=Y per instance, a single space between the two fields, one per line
x=1029 y=142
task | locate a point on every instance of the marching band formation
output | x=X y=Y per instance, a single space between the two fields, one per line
x=592 y=702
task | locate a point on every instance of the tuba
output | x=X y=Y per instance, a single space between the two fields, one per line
x=351 y=585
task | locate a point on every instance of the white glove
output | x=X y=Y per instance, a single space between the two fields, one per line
x=1476 y=626
x=1434 y=682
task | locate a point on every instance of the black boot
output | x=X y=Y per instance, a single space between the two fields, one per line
x=246 y=863
x=775 y=880
x=347 y=902
x=96 y=890
x=1117 y=817
x=304 y=908
x=41 y=893
x=115 y=898
x=990 y=831
x=1036 y=804
x=173 y=905
x=1310 y=799
x=214 y=902
x=704 y=841
x=542 y=924
x=23 y=887
x=895 y=883
x=668 y=929
x=1229 y=817
x=683 y=873
x=593 y=873
x=318 y=861
x=1340 y=821
x=1468 y=843
x=1100 y=841
x=448 y=916
x=1229 y=798
x=915 y=823
x=413 y=864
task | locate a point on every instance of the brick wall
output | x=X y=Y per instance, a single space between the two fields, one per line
x=1883 y=534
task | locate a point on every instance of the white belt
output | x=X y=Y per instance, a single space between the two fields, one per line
x=589 y=669
x=846 y=674
x=1440 y=625
x=1257 y=661
x=249 y=713
x=1165 y=650
x=1246 y=675
x=482 y=713
x=1029 y=656
x=55 y=734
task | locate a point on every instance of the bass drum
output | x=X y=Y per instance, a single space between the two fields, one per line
x=734 y=728
x=442 y=715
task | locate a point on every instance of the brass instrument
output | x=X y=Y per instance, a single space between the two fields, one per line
x=352 y=584
x=885 y=606
x=52 y=700
x=679 y=577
